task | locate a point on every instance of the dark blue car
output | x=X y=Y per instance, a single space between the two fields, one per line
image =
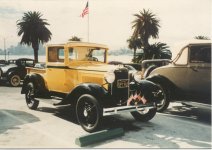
x=16 y=71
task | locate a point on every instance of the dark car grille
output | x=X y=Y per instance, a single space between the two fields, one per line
x=120 y=87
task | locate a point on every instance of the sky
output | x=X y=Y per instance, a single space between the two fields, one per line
x=110 y=21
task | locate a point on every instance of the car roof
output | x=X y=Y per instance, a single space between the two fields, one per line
x=80 y=44
x=24 y=59
x=185 y=43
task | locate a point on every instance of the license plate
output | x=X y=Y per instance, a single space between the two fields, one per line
x=123 y=83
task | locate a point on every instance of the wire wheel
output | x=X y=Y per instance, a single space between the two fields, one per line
x=29 y=96
x=88 y=112
x=15 y=80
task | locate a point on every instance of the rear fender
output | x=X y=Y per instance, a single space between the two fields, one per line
x=38 y=82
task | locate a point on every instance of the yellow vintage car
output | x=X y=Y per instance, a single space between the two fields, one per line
x=77 y=73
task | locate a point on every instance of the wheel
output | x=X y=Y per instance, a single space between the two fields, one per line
x=29 y=96
x=14 y=80
x=163 y=98
x=88 y=112
x=145 y=115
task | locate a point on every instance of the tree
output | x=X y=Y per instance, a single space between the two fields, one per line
x=134 y=43
x=74 y=38
x=145 y=25
x=158 y=51
x=33 y=30
x=200 y=37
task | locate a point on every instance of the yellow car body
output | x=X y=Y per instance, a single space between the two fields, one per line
x=64 y=74
x=77 y=73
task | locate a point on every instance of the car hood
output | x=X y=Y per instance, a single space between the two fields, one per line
x=96 y=67
x=7 y=67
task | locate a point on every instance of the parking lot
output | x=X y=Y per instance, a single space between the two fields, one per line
x=181 y=126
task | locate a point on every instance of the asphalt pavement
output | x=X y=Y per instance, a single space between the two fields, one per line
x=180 y=126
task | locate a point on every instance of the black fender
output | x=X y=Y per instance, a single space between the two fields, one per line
x=96 y=90
x=171 y=89
x=38 y=82
x=12 y=72
x=146 y=88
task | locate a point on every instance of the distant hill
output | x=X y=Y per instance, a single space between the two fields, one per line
x=22 y=50
x=27 y=50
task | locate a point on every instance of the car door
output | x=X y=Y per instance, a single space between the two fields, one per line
x=55 y=70
x=178 y=73
x=200 y=70
x=21 y=68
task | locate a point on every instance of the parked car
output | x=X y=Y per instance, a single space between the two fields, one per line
x=77 y=73
x=15 y=71
x=187 y=77
x=2 y=62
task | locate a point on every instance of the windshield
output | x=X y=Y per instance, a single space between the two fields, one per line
x=87 y=54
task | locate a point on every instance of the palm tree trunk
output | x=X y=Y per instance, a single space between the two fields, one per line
x=35 y=48
x=36 y=55
x=134 y=53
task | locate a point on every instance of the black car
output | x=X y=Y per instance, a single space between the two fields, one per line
x=15 y=72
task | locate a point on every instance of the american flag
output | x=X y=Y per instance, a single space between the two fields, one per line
x=85 y=11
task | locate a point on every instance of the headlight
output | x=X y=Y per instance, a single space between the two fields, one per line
x=137 y=76
x=110 y=77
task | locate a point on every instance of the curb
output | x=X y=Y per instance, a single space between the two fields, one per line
x=99 y=136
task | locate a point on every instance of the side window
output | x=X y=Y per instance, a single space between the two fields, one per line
x=23 y=63
x=200 y=54
x=72 y=54
x=29 y=63
x=61 y=55
x=183 y=59
x=56 y=54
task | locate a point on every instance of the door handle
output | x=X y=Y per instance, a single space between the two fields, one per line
x=194 y=68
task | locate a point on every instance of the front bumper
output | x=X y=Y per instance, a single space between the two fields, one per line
x=123 y=109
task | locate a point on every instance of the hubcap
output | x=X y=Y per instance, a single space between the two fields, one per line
x=15 y=80
x=85 y=113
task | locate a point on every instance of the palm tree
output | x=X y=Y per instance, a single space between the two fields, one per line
x=134 y=43
x=158 y=51
x=33 y=30
x=74 y=38
x=145 y=25
x=200 y=37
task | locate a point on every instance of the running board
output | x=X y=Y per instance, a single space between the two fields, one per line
x=122 y=109
x=54 y=101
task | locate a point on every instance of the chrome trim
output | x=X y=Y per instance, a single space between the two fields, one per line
x=122 y=109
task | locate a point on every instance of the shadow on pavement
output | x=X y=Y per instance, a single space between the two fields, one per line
x=63 y=112
x=189 y=112
x=4 y=83
x=11 y=119
x=170 y=129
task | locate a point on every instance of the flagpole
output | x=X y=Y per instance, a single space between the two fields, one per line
x=88 y=19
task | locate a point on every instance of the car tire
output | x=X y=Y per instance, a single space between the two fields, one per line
x=143 y=115
x=29 y=96
x=14 y=80
x=164 y=96
x=89 y=112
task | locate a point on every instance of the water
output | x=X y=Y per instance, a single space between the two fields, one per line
x=122 y=58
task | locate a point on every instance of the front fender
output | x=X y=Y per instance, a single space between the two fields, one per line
x=172 y=90
x=93 y=89
x=146 y=88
